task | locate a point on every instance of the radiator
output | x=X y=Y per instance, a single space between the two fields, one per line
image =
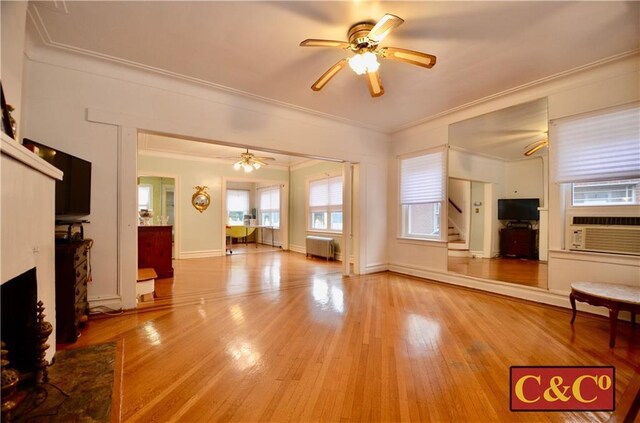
x=320 y=246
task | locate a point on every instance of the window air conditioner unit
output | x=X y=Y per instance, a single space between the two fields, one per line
x=622 y=239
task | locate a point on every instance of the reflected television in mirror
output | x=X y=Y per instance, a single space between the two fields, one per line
x=518 y=209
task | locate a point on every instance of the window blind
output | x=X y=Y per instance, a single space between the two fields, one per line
x=270 y=199
x=598 y=147
x=422 y=178
x=237 y=200
x=325 y=192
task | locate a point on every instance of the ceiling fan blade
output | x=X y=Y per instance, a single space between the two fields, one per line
x=326 y=77
x=375 y=84
x=324 y=43
x=265 y=158
x=542 y=141
x=532 y=148
x=383 y=27
x=409 y=56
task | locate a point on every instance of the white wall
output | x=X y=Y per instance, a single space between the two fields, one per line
x=525 y=179
x=608 y=84
x=93 y=109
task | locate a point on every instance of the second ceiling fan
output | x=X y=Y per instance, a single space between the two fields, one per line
x=364 y=40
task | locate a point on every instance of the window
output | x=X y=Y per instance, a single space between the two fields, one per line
x=145 y=197
x=599 y=154
x=237 y=206
x=608 y=193
x=422 y=194
x=270 y=206
x=325 y=204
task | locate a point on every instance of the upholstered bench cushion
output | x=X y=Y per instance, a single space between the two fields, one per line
x=609 y=291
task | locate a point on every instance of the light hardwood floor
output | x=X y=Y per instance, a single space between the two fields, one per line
x=277 y=337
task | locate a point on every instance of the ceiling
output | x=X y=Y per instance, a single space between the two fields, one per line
x=482 y=48
x=209 y=151
x=503 y=134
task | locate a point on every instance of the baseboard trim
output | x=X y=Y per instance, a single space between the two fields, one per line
x=458 y=253
x=538 y=295
x=112 y=302
x=297 y=249
x=477 y=254
x=200 y=254
x=376 y=268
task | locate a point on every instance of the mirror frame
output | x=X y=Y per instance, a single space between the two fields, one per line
x=201 y=199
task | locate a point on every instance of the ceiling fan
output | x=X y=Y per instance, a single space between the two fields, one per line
x=364 y=40
x=535 y=146
x=248 y=161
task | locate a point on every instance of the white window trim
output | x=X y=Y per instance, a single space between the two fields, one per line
x=442 y=237
x=308 y=209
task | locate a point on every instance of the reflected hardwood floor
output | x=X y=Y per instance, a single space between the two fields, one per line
x=252 y=248
x=277 y=337
x=520 y=271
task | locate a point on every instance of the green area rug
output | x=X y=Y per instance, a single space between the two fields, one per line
x=86 y=375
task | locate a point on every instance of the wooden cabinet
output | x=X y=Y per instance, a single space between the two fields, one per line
x=154 y=249
x=519 y=242
x=72 y=274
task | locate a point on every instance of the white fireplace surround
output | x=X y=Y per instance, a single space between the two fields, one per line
x=27 y=216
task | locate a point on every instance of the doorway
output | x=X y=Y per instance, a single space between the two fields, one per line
x=156 y=203
x=255 y=215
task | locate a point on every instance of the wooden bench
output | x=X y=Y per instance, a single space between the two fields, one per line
x=146 y=284
x=613 y=296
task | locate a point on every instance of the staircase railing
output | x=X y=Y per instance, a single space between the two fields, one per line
x=455 y=206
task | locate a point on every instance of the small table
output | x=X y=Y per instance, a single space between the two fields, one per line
x=262 y=228
x=613 y=296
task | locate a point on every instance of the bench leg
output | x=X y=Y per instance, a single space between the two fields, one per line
x=573 y=307
x=613 y=320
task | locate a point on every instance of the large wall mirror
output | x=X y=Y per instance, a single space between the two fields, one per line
x=498 y=193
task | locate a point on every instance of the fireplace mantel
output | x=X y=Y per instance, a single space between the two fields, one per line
x=27 y=220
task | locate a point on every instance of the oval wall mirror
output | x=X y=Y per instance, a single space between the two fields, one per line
x=201 y=199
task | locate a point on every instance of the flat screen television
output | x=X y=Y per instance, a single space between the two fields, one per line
x=73 y=193
x=518 y=209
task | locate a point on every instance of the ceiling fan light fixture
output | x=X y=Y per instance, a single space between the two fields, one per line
x=364 y=62
x=256 y=165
